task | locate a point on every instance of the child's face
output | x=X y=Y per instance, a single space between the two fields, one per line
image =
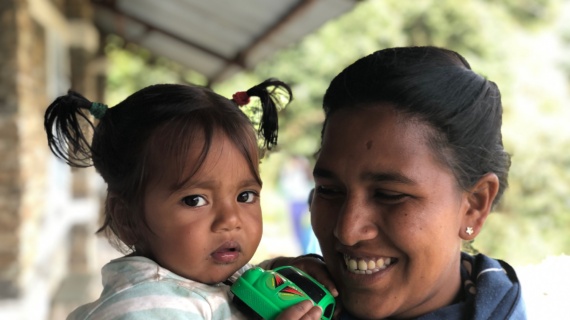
x=210 y=227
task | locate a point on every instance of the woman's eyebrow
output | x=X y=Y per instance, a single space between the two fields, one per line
x=368 y=176
x=387 y=177
x=322 y=173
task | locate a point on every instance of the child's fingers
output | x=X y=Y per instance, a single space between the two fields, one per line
x=303 y=311
x=314 y=313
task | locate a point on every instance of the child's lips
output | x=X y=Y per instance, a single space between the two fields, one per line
x=227 y=252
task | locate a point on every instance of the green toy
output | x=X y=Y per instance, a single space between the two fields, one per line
x=267 y=293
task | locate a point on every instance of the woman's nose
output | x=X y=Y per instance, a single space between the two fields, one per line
x=355 y=223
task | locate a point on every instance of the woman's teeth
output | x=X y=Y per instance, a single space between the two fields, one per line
x=366 y=266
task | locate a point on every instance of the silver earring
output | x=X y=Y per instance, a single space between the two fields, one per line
x=469 y=230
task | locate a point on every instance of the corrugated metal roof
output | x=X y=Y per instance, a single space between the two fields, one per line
x=215 y=37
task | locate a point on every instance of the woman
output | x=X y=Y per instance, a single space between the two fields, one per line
x=411 y=164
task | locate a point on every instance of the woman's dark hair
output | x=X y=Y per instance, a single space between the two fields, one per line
x=157 y=124
x=436 y=86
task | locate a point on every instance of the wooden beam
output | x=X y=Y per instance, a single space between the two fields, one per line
x=289 y=17
x=112 y=6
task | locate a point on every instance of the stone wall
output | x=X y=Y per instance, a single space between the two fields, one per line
x=9 y=166
x=20 y=148
x=46 y=47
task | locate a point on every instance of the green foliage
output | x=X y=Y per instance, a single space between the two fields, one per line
x=310 y=65
x=512 y=42
x=499 y=38
x=133 y=68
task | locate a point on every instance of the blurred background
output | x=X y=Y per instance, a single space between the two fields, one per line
x=50 y=256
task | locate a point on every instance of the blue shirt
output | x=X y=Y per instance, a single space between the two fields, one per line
x=490 y=291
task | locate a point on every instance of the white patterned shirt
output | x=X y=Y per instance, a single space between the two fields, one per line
x=138 y=288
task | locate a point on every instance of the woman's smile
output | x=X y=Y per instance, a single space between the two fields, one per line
x=367 y=265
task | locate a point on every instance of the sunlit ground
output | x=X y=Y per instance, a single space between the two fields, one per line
x=545 y=288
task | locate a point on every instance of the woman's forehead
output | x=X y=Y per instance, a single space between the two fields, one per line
x=369 y=124
x=374 y=138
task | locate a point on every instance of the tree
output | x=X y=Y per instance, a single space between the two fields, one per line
x=514 y=43
x=499 y=39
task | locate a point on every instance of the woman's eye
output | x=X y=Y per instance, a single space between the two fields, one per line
x=247 y=197
x=194 y=201
x=327 y=191
x=390 y=197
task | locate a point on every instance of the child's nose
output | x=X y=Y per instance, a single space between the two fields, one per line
x=227 y=218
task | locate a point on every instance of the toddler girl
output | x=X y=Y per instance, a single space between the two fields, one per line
x=181 y=167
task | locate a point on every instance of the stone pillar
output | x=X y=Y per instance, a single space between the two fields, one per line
x=42 y=51
x=9 y=190
x=22 y=149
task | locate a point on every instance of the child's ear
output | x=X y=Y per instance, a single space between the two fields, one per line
x=480 y=201
x=119 y=212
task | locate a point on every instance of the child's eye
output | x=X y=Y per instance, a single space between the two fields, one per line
x=194 y=201
x=247 y=197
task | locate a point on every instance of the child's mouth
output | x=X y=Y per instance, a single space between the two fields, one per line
x=227 y=253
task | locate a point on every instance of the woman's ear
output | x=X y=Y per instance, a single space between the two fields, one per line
x=480 y=201
x=119 y=212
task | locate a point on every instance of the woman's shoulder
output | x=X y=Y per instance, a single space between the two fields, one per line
x=492 y=288
x=490 y=291
x=481 y=268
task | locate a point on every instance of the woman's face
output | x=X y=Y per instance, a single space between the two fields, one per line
x=387 y=214
x=208 y=228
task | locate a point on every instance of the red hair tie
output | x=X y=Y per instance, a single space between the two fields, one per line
x=241 y=98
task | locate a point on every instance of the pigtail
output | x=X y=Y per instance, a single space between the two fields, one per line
x=65 y=129
x=271 y=93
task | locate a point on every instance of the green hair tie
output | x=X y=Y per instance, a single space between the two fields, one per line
x=98 y=109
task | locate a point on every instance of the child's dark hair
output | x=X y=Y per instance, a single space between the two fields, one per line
x=156 y=124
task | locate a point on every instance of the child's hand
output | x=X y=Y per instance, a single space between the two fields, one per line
x=303 y=311
x=314 y=267
x=317 y=269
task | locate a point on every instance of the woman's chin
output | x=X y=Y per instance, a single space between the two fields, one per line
x=359 y=305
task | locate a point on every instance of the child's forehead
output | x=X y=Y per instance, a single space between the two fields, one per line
x=177 y=161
